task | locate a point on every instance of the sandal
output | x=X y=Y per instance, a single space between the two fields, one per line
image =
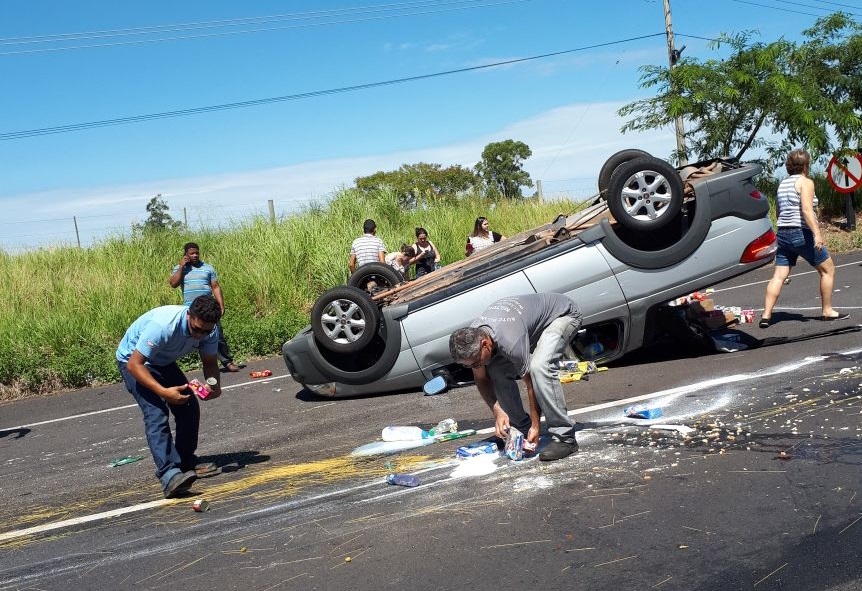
x=838 y=317
x=764 y=322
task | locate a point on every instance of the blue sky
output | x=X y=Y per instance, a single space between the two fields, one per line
x=224 y=165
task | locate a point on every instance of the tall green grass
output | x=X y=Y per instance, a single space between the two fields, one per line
x=65 y=309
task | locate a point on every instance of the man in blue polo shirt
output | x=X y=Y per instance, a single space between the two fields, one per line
x=147 y=359
x=197 y=278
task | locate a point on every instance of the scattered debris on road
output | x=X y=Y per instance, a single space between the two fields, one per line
x=125 y=460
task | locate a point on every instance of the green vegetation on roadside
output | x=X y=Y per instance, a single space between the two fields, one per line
x=65 y=309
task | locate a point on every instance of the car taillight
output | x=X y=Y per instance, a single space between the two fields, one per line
x=760 y=248
x=756 y=195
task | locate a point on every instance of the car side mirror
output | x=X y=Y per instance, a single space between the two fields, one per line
x=435 y=385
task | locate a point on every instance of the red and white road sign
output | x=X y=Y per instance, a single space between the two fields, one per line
x=844 y=172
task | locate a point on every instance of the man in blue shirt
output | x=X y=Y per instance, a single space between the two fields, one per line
x=147 y=359
x=198 y=278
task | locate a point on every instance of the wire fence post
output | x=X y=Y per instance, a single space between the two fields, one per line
x=271 y=210
x=185 y=218
x=539 y=189
x=77 y=235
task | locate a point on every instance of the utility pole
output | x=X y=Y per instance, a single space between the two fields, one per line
x=672 y=57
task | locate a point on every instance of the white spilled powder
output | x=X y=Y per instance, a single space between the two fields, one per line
x=532 y=483
x=476 y=466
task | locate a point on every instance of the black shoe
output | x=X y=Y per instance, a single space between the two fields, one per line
x=764 y=322
x=839 y=317
x=180 y=483
x=557 y=450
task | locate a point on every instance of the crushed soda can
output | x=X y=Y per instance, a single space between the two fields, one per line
x=261 y=374
x=200 y=389
x=640 y=411
x=200 y=506
x=477 y=449
x=514 y=445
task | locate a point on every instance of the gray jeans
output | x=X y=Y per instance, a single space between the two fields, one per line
x=546 y=381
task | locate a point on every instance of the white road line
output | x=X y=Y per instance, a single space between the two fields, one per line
x=9 y=535
x=782 y=369
x=96 y=412
x=792 y=275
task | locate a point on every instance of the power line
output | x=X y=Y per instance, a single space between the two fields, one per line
x=781 y=8
x=226 y=33
x=314 y=14
x=14 y=135
x=835 y=3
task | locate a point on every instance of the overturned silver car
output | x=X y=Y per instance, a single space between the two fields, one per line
x=654 y=233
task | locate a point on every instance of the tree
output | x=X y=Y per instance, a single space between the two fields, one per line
x=501 y=168
x=159 y=218
x=416 y=184
x=810 y=94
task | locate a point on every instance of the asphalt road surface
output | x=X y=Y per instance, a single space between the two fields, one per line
x=762 y=492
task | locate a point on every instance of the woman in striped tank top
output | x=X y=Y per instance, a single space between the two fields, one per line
x=799 y=236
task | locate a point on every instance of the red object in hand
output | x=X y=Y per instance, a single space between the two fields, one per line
x=200 y=389
x=261 y=374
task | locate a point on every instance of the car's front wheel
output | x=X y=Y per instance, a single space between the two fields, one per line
x=645 y=193
x=344 y=319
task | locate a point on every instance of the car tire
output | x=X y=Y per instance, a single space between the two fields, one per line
x=388 y=335
x=344 y=319
x=611 y=165
x=373 y=277
x=645 y=193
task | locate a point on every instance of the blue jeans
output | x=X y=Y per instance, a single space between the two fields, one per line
x=171 y=454
x=798 y=242
x=223 y=352
x=545 y=374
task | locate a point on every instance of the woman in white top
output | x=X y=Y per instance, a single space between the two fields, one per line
x=482 y=236
x=402 y=259
x=799 y=236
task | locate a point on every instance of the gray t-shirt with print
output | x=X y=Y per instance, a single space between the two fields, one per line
x=517 y=322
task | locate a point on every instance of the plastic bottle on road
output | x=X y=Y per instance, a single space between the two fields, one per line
x=404 y=433
x=402 y=479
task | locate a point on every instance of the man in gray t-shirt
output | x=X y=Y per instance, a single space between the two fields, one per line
x=523 y=337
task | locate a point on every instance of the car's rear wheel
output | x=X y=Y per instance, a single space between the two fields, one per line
x=344 y=319
x=645 y=193
x=611 y=165
x=374 y=277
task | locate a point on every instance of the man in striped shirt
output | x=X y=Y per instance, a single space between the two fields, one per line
x=368 y=248
x=198 y=278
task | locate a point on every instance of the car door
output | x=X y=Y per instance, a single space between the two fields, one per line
x=428 y=329
x=584 y=275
